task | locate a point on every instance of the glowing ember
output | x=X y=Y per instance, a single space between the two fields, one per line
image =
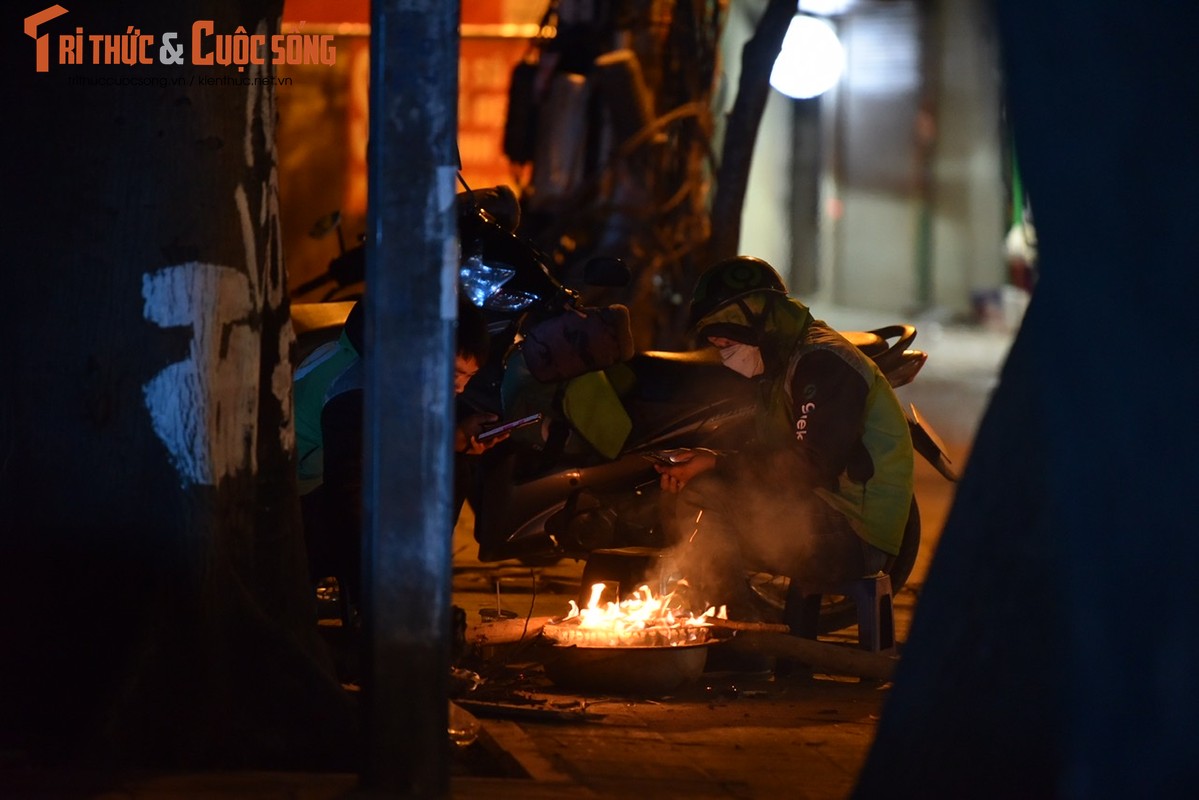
x=643 y=620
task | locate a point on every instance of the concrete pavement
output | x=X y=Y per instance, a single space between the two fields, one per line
x=723 y=736
x=727 y=735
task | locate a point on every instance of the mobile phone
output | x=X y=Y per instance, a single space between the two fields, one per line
x=670 y=458
x=504 y=427
x=676 y=456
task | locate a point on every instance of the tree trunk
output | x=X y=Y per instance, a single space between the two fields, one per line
x=160 y=595
x=1052 y=651
x=741 y=128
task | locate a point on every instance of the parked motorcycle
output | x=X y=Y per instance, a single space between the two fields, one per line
x=583 y=480
x=567 y=490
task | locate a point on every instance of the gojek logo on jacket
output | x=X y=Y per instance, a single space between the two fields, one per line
x=801 y=424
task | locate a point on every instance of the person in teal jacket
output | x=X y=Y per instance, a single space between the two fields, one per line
x=329 y=424
x=310 y=386
x=822 y=492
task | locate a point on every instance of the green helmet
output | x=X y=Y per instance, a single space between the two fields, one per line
x=729 y=281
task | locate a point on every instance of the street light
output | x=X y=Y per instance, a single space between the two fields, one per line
x=811 y=59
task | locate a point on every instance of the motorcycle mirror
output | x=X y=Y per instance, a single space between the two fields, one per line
x=606 y=271
x=320 y=229
x=330 y=222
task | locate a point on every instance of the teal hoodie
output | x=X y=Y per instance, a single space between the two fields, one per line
x=312 y=382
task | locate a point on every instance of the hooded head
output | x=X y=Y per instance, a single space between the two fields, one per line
x=741 y=306
x=729 y=283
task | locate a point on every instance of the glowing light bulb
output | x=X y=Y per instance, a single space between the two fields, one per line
x=811 y=60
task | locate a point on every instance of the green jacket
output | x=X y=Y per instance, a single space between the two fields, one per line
x=830 y=421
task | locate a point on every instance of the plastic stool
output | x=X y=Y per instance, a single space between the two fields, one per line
x=872 y=596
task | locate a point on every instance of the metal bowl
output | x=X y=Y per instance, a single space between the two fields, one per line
x=625 y=670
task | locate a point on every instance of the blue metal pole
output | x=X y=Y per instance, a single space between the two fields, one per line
x=409 y=326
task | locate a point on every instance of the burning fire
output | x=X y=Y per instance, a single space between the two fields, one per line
x=644 y=619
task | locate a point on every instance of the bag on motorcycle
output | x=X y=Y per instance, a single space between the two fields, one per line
x=571 y=344
x=520 y=127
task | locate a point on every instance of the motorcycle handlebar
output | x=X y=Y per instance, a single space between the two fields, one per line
x=344 y=270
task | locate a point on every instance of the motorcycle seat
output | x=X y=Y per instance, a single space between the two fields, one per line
x=685 y=378
x=707 y=355
x=675 y=392
x=869 y=342
x=307 y=317
x=317 y=323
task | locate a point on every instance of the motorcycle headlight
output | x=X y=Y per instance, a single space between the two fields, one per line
x=483 y=285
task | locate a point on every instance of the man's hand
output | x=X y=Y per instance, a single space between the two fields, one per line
x=675 y=476
x=471 y=427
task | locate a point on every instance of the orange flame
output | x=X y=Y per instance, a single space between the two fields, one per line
x=642 y=611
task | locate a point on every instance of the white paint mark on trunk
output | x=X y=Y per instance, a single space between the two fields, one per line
x=204 y=409
x=266 y=275
x=248 y=241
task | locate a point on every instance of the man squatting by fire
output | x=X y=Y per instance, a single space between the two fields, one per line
x=823 y=491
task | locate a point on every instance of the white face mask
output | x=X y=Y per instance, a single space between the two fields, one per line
x=744 y=359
